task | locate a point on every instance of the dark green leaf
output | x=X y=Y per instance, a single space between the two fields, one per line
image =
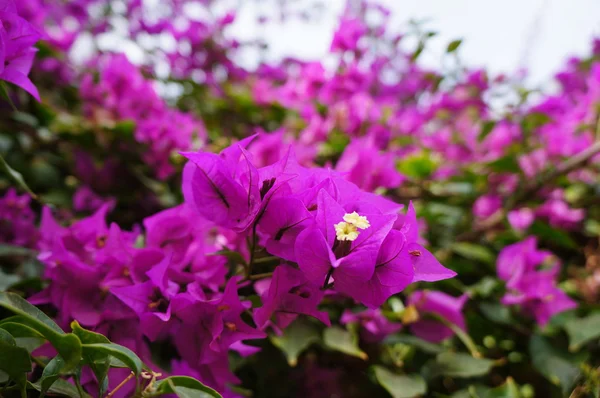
x=342 y=340
x=20 y=306
x=10 y=250
x=20 y=330
x=295 y=339
x=484 y=287
x=497 y=313
x=453 y=46
x=50 y=374
x=60 y=387
x=582 y=330
x=14 y=360
x=457 y=364
x=15 y=175
x=185 y=387
x=552 y=235
x=400 y=386
x=30 y=343
x=67 y=345
x=236 y=257
x=473 y=252
x=416 y=342
x=123 y=354
x=8 y=280
x=99 y=362
x=4 y=377
x=505 y=164
x=556 y=365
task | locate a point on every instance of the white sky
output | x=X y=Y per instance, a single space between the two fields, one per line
x=501 y=35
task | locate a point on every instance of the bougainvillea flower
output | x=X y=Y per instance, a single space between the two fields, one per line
x=374 y=325
x=284 y=218
x=520 y=258
x=367 y=167
x=348 y=34
x=218 y=320
x=426 y=267
x=486 y=205
x=441 y=304
x=318 y=250
x=537 y=294
x=17 y=37
x=521 y=219
x=288 y=295
x=210 y=187
x=392 y=273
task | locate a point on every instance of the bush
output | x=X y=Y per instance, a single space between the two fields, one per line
x=189 y=226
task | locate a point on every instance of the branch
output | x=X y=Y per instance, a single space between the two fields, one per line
x=529 y=190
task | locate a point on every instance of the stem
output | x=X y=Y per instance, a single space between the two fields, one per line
x=79 y=388
x=529 y=190
x=464 y=338
x=260 y=276
x=565 y=167
x=265 y=259
x=121 y=384
x=326 y=283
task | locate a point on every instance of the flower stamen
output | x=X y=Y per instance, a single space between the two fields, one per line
x=348 y=229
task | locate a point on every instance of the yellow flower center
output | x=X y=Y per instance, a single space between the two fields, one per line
x=349 y=228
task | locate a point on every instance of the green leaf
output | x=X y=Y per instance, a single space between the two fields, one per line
x=8 y=280
x=4 y=377
x=185 y=387
x=14 y=360
x=457 y=364
x=60 y=387
x=123 y=354
x=552 y=235
x=484 y=287
x=497 y=313
x=557 y=366
x=342 y=340
x=416 y=342
x=15 y=175
x=473 y=252
x=453 y=45
x=486 y=129
x=20 y=329
x=295 y=339
x=505 y=164
x=510 y=389
x=17 y=304
x=417 y=166
x=400 y=386
x=583 y=330
x=236 y=257
x=50 y=374
x=67 y=345
x=99 y=362
x=534 y=120
x=11 y=250
x=30 y=343
x=125 y=128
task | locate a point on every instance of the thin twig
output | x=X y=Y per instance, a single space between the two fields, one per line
x=529 y=190
x=260 y=276
x=121 y=384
